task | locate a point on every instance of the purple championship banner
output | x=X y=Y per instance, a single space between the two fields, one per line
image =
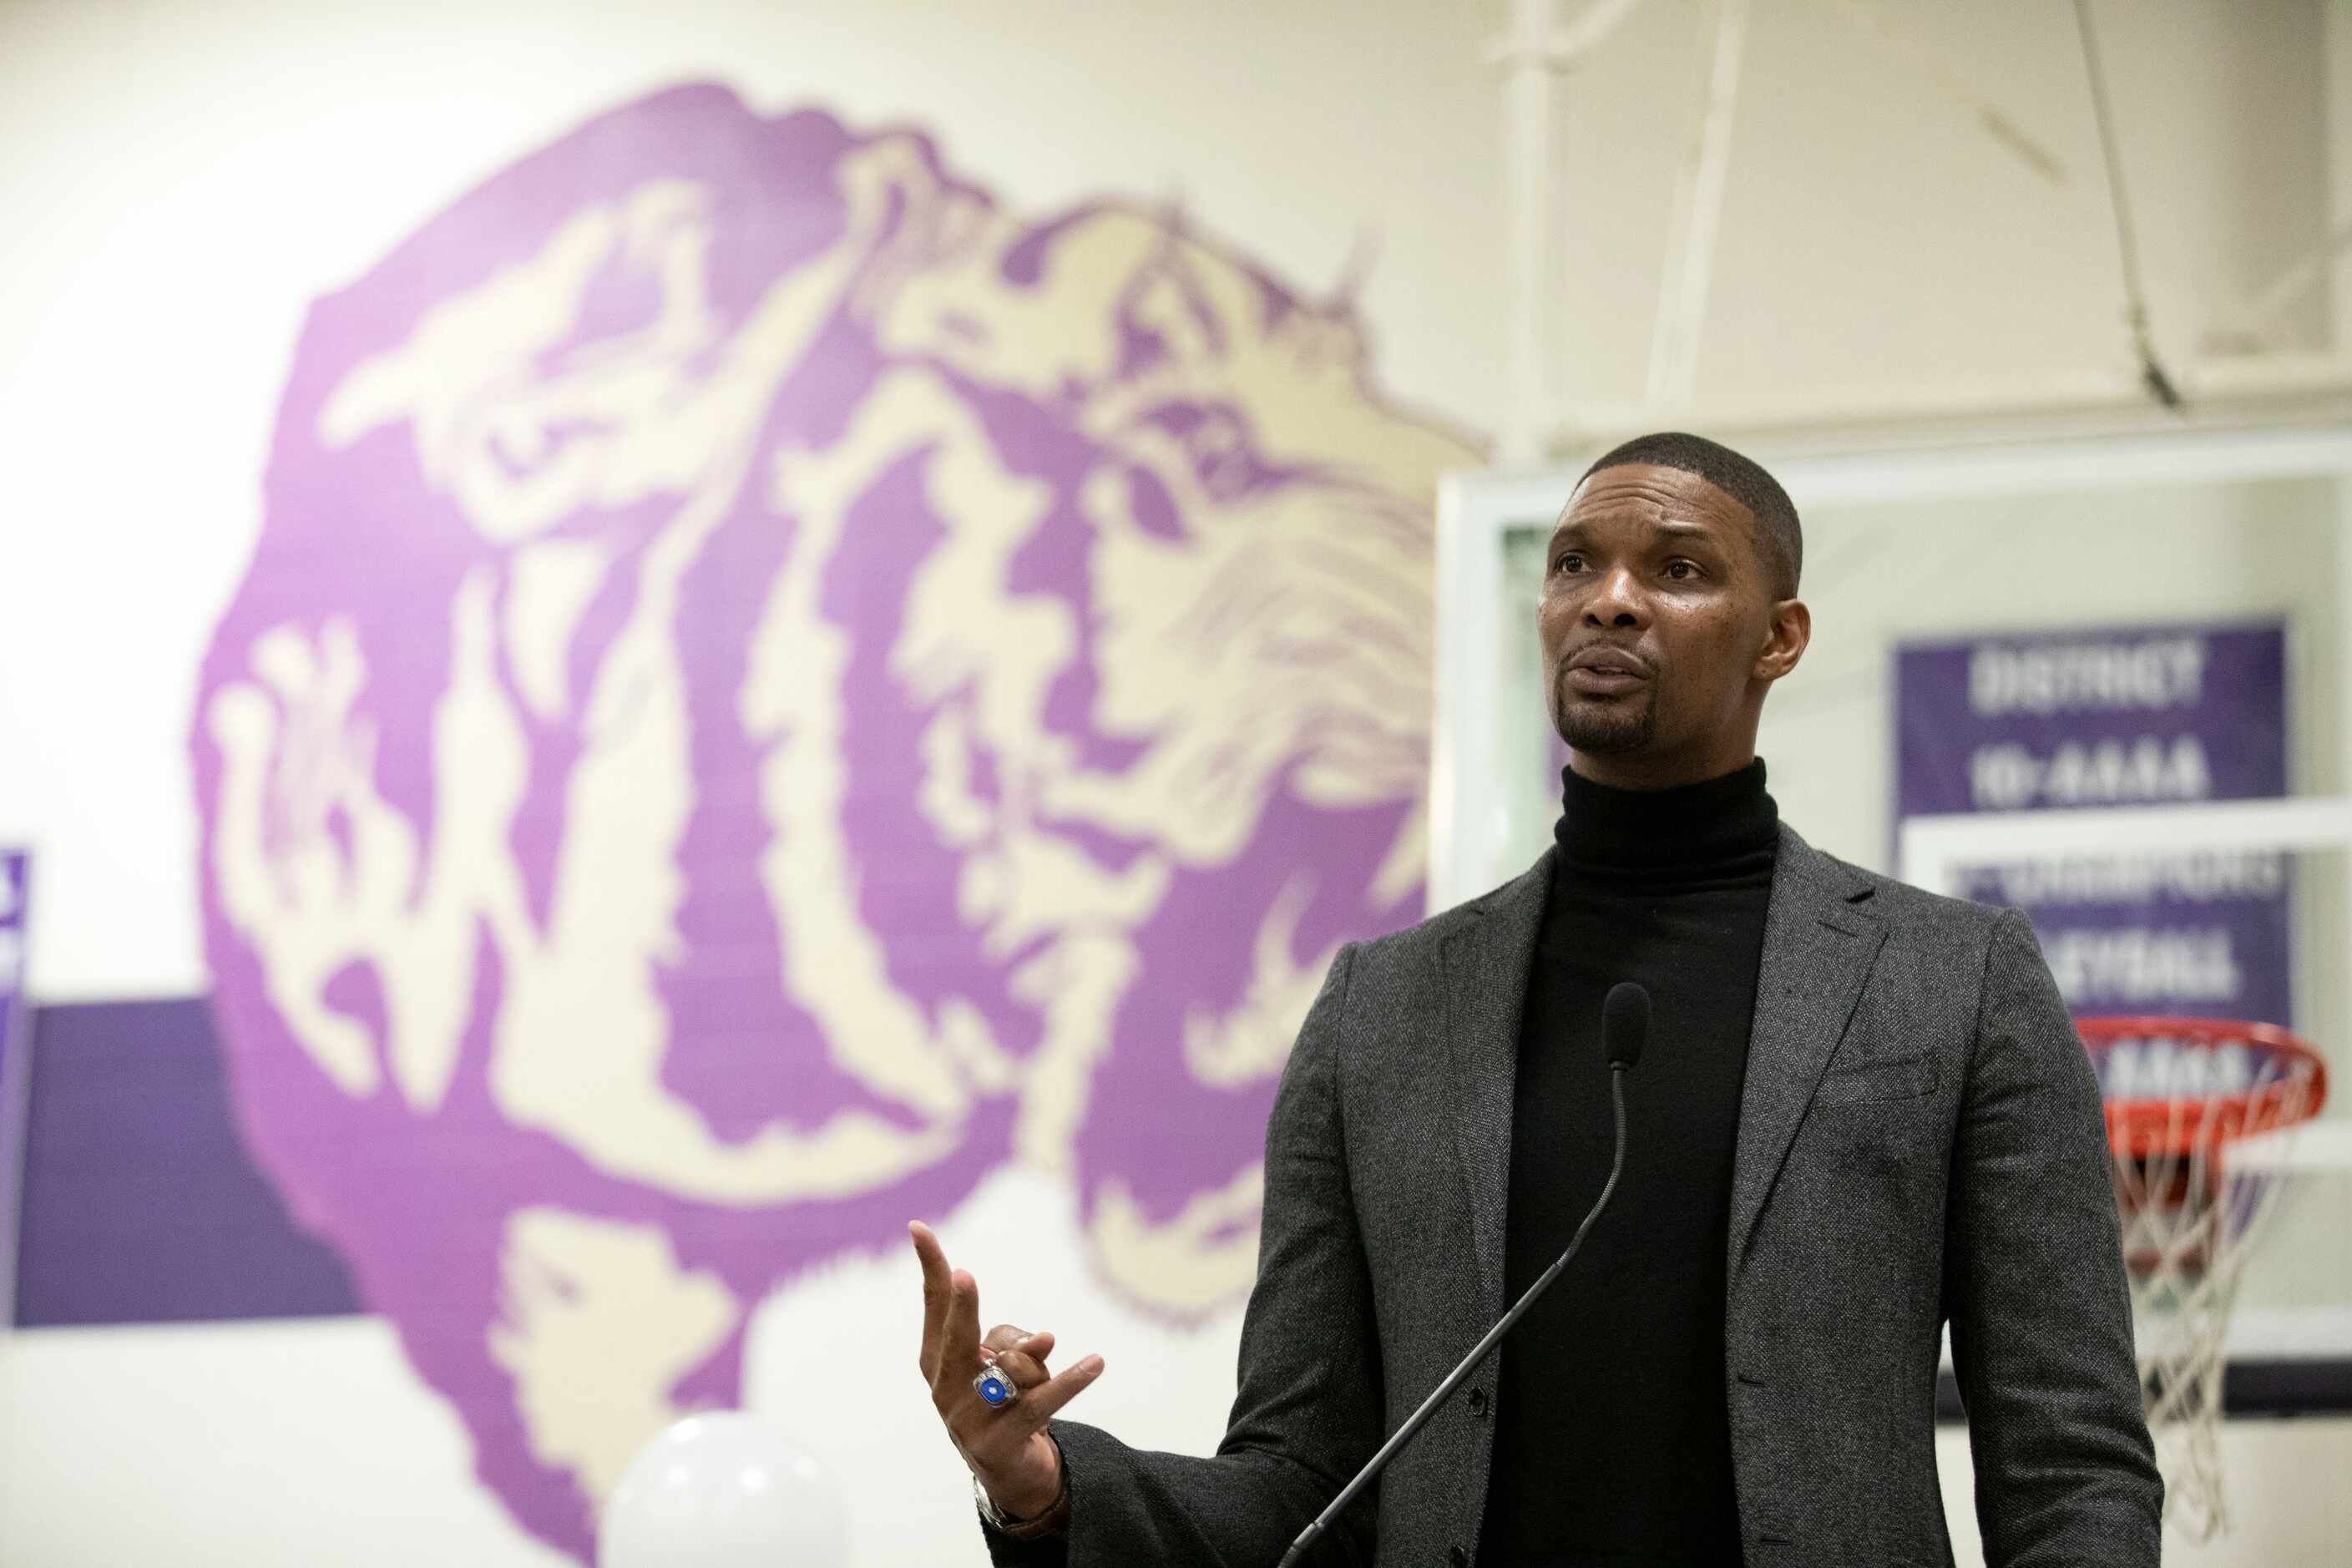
x=2118 y=717
x=14 y=1065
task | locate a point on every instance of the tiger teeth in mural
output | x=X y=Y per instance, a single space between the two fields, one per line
x=771 y=688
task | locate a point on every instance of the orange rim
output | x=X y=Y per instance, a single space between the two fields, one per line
x=2291 y=1086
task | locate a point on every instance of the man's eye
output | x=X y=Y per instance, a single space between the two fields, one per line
x=1571 y=562
x=1681 y=570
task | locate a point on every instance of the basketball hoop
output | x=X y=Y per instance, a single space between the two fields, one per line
x=2179 y=1092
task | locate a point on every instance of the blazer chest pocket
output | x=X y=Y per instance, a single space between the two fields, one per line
x=1863 y=1083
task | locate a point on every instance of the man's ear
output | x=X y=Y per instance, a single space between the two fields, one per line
x=1791 y=631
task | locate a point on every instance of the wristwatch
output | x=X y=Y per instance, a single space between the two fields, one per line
x=1055 y=1521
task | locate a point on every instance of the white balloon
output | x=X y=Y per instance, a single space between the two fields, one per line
x=723 y=1489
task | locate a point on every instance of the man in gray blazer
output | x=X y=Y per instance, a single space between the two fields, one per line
x=1867 y=1115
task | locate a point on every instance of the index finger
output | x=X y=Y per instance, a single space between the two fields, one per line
x=959 y=1335
x=938 y=1286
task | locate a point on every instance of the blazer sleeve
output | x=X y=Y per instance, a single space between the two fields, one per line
x=1308 y=1410
x=2041 y=1315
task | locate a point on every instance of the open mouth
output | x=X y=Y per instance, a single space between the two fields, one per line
x=1601 y=672
x=1602 y=680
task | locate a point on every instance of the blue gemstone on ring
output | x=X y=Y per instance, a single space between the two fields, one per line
x=992 y=1389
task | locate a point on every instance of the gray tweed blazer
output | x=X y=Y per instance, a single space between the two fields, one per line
x=1919 y=1140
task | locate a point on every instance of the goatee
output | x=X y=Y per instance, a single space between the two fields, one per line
x=1604 y=731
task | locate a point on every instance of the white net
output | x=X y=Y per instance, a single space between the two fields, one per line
x=2183 y=1096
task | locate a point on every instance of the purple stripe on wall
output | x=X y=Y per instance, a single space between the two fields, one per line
x=140 y=1203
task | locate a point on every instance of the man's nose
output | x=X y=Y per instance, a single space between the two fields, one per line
x=1616 y=601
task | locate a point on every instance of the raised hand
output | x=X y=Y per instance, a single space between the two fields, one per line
x=1004 y=1446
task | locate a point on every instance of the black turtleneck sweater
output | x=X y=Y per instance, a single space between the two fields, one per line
x=1613 y=1442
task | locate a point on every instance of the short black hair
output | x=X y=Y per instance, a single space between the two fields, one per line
x=1741 y=479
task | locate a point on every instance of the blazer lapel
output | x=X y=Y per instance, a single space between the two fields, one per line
x=1487 y=963
x=1819 y=945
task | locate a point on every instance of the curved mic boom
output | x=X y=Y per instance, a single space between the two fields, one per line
x=1624 y=1030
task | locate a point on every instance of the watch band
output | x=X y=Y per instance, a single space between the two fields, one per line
x=1055 y=1521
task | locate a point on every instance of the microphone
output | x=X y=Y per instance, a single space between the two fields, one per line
x=1624 y=1026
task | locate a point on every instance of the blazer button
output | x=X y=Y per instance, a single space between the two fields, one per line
x=1477 y=1402
x=1459 y=1557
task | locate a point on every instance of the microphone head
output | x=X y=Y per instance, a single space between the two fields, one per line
x=1625 y=1023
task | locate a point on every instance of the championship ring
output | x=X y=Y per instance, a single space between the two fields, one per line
x=994 y=1387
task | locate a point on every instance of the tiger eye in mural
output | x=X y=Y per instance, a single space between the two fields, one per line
x=769 y=689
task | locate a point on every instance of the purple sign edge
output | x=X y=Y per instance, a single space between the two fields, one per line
x=15 y=1080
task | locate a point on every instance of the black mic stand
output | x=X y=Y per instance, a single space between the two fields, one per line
x=1420 y=1418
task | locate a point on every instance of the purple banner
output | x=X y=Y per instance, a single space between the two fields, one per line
x=2135 y=715
x=15 y=873
x=141 y=1204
